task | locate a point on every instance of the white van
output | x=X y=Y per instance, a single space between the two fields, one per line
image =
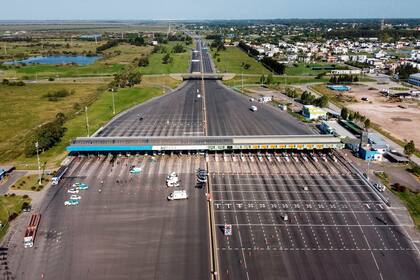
x=253 y=108
x=177 y=195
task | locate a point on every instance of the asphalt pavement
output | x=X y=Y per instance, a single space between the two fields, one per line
x=124 y=228
x=336 y=227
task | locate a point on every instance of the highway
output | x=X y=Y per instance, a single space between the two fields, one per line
x=124 y=228
x=181 y=112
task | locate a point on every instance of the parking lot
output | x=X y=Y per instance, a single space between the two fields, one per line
x=124 y=227
x=298 y=219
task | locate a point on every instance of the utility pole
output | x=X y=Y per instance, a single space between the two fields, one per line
x=242 y=82
x=113 y=102
x=87 y=121
x=39 y=166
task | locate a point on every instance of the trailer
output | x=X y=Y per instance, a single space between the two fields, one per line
x=59 y=174
x=31 y=229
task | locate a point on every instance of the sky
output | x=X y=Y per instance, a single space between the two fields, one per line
x=209 y=9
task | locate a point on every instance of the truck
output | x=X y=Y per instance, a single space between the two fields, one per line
x=59 y=174
x=31 y=229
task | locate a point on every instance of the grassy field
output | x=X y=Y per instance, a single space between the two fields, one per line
x=10 y=205
x=237 y=80
x=412 y=201
x=24 y=108
x=31 y=183
x=112 y=62
x=100 y=112
x=180 y=61
x=160 y=81
x=306 y=69
x=232 y=60
x=16 y=50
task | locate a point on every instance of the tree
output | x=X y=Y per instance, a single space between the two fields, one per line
x=143 y=61
x=344 y=113
x=178 y=48
x=167 y=59
x=409 y=148
x=322 y=101
x=367 y=124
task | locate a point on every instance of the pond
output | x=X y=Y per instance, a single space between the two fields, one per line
x=56 y=59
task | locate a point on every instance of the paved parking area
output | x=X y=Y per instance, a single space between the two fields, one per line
x=336 y=227
x=128 y=230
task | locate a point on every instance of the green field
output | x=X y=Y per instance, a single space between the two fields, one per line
x=24 y=108
x=412 y=201
x=232 y=60
x=100 y=112
x=304 y=69
x=179 y=64
x=113 y=61
x=10 y=205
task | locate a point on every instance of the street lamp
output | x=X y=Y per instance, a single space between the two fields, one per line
x=113 y=101
x=87 y=121
x=39 y=166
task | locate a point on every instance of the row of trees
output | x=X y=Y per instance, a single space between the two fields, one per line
x=308 y=99
x=47 y=135
x=107 y=45
x=273 y=65
x=346 y=114
x=337 y=79
x=404 y=71
x=126 y=78
x=7 y=82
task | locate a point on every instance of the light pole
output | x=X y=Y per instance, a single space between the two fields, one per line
x=368 y=166
x=39 y=166
x=113 y=102
x=87 y=121
x=242 y=83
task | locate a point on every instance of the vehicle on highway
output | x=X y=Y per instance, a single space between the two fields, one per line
x=202 y=175
x=31 y=229
x=71 y=202
x=253 y=108
x=75 y=197
x=228 y=229
x=73 y=190
x=135 y=170
x=80 y=186
x=59 y=174
x=171 y=176
x=379 y=187
x=178 y=195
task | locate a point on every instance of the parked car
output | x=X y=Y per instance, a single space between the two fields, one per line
x=71 y=202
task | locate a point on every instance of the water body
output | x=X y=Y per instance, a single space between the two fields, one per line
x=56 y=59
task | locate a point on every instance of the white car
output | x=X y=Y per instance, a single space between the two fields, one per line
x=75 y=197
x=177 y=195
x=71 y=202
x=74 y=190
